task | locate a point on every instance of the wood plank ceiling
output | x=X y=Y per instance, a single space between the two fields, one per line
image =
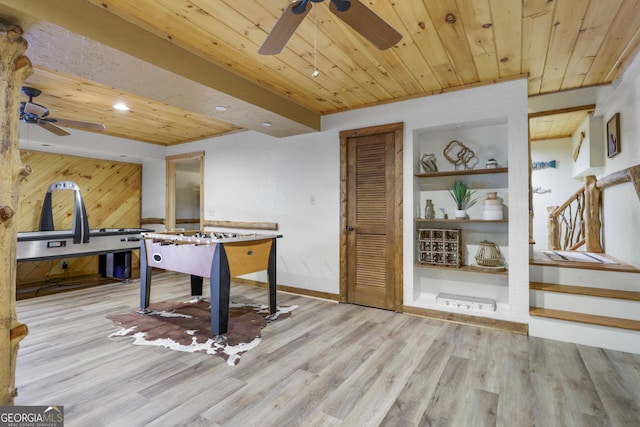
x=446 y=45
x=559 y=124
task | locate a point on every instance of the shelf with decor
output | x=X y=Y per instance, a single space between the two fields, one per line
x=459 y=220
x=461 y=172
x=467 y=268
x=445 y=248
x=453 y=279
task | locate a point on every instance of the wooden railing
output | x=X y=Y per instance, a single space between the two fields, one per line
x=577 y=221
x=566 y=223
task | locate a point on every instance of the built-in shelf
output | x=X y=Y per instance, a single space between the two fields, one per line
x=462 y=268
x=462 y=172
x=432 y=276
x=454 y=220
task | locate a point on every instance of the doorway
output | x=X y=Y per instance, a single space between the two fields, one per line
x=371 y=216
x=555 y=152
x=184 y=208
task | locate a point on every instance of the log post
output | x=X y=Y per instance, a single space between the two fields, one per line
x=553 y=240
x=634 y=176
x=592 y=214
x=14 y=69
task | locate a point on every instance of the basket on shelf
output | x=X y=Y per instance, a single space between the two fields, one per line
x=489 y=255
x=440 y=247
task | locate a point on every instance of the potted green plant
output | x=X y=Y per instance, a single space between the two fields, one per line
x=462 y=196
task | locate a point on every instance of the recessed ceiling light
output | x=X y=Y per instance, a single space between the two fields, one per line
x=267 y=124
x=121 y=106
x=46 y=145
x=221 y=108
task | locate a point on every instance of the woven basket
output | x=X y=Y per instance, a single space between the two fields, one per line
x=488 y=254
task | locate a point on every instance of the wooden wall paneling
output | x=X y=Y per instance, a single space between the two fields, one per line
x=111 y=192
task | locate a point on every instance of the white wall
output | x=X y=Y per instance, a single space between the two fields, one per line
x=504 y=101
x=253 y=177
x=621 y=206
x=558 y=180
x=257 y=178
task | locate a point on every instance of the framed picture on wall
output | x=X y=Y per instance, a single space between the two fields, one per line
x=613 y=135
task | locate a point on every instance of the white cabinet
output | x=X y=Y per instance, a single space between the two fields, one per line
x=588 y=145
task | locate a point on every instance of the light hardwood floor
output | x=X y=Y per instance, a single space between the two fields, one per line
x=329 y=364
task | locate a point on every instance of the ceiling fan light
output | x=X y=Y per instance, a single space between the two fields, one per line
x=121 y=106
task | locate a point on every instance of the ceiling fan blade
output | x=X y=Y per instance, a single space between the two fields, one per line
x=284 y=29
x=368 y=24
x=77 y=124
x=52 y=128
x=35 y=109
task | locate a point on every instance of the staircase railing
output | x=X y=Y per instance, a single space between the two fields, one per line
x=577 y=222
x=567 y=224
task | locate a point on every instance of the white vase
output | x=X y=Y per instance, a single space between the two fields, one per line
x=492 y=208
x=460 y=213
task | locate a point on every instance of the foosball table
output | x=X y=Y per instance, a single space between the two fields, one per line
x=217 y=256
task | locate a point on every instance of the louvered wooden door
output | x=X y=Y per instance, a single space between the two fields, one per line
x=371 y=226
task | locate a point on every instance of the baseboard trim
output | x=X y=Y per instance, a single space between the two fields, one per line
x=519 y=328
x=289 y=289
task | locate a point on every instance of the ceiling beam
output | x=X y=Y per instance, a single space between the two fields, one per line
x=95 y=23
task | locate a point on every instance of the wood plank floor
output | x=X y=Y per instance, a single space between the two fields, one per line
x=328 y=365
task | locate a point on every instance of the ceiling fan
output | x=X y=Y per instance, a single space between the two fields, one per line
x=37 y=114
x=353 y=12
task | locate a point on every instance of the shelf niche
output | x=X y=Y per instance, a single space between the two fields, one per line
x=488 y=140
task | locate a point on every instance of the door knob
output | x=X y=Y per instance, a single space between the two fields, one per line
x=350 y=228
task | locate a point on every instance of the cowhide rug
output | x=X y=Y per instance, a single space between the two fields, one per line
x=186 y=326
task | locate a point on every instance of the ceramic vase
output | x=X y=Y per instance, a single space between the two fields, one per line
x=492 y=207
